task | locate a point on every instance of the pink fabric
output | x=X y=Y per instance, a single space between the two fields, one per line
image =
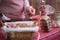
x=12 y=8
x=35 y=36
x=36 y=17
x=38 y=21
x=53 y=31
x=2 y=35
x=43 y=35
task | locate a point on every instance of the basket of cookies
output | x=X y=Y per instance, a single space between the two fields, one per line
x=21 y=30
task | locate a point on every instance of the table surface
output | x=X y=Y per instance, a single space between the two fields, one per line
x=52 y=32
x=43 y=35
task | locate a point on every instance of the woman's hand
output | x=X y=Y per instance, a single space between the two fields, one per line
x=31 y=10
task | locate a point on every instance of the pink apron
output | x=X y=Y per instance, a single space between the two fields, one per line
x=12 y=8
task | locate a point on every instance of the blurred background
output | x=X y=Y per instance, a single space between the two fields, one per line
x=53 y=3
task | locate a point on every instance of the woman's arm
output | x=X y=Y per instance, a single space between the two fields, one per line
x=29 y=8
x=27 y=3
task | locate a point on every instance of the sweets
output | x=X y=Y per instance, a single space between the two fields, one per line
x=45 y=23
x=19 y=25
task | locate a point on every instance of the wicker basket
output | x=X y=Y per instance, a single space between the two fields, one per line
x=19 y=35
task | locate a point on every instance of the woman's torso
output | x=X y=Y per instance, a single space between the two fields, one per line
x=12 y=8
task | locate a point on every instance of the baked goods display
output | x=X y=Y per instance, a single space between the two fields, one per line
x=19 y=25
x=45 y=23
x=20 y=30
